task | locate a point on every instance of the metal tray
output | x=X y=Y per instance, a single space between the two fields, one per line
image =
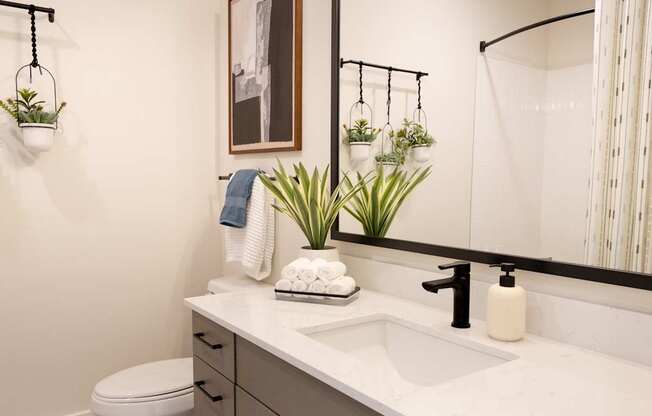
x=321 y=298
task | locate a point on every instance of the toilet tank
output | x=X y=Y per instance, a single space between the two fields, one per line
x=231 y=284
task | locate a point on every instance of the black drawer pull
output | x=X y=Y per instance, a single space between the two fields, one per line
x=200 y=336
x=200 y=384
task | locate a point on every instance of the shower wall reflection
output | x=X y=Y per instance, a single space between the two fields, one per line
x=532 y=147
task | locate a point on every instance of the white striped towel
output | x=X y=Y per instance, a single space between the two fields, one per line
x=253 y=246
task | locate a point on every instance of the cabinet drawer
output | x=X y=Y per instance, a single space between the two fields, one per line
x=248 y=406
x=287 y=390
x=214 y=344
x=214 y=393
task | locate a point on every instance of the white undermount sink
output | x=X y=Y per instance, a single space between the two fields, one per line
x=405 y=355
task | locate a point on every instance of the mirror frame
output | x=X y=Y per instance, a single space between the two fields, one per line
x=577 y=271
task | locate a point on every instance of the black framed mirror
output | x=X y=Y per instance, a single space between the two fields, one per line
x=512 y=66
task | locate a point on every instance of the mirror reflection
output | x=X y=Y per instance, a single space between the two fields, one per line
x=536 y=146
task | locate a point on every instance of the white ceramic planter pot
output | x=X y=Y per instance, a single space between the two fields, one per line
x=420 y=153
x=360 y=151
x=328 y=253
x=388 y=167
x=38 y=137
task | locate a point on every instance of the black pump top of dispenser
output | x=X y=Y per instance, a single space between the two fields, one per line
x=506 y=280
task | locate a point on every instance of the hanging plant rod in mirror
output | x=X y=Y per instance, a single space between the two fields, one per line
x=23 y=6
x=485 y=44
x=385 y=67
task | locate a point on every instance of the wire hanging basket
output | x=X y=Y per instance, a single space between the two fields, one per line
x=37 y=122
x=360 y=132
x=390 y=157
x=418 y=115
x=421 y=141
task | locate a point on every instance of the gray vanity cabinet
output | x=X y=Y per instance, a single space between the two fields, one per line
x=207 y=336
x=235 y=377
x=248 y=406
x=215 y=394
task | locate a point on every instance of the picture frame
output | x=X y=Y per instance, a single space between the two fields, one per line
x=265 y=75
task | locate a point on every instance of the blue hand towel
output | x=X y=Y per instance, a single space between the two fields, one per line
x=234 y=213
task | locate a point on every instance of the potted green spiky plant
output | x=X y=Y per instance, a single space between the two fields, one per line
x=308 y=200
x=417 y=139
x=377 y=203
x=359 y=137
x=36 y=124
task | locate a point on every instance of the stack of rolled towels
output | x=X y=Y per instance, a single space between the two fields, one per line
x=316 y=276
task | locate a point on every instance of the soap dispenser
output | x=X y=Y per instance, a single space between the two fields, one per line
x=506 y=305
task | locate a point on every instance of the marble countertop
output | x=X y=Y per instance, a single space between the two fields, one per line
x=547 y=378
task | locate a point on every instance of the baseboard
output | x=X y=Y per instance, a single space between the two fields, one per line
x=82 y=413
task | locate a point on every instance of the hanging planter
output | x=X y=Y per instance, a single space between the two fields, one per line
x=360 y=151
x=36 y=124
x=421 y=153
x=360 y=137
x=36 y=118
x=390 y=157
x=414 y=139
x=361 y=134
x=389 y=161
x=415 y=132
x=38 y=137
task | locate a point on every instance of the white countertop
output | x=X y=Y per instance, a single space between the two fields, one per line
x=547 y=378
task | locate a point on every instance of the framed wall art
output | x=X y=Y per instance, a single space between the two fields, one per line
x=265 y=75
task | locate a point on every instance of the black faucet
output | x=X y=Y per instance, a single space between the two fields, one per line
x=460 y=283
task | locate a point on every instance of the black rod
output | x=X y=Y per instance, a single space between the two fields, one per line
x=484 y=44
x=385 y=67
x=15 y=5
x=228 y=177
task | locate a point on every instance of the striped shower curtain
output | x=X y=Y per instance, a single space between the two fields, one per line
x=619 y=214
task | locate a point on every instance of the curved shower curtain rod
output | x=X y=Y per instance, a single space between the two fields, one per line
x=484 y=44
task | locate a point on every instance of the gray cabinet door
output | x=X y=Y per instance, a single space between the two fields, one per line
x=209 y=385
x=287 y=390
x=207 y=334
x=248 y=406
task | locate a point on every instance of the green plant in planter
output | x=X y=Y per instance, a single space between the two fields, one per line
x=396 y=157
x=360 y=132
x=413 y=134
x=27 y=110
x=309 y=201
x=379 y=200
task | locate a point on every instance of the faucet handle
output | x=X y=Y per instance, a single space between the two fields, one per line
x=461 y=268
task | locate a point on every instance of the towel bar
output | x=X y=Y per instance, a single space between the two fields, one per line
x=227 y=177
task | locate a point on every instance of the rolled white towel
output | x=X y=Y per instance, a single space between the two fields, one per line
x=291 y=271
x=308 y=274
x=331 y=271
x=284 y=284
x=317 y=287
x=299 y=286
x=341 y=286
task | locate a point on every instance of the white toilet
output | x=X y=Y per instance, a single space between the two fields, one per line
x=162 y=388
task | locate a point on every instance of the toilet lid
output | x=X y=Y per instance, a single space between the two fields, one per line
x=147 y=380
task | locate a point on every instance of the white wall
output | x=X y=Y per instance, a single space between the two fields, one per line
x=567 y=39
x=566 y=162
x=532 y=144
x=568 y=133
x=103 y=237
x=507 y=157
